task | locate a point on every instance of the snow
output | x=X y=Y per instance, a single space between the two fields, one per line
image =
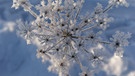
x=19 y=59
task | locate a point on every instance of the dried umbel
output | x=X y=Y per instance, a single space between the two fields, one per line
x=67 y=38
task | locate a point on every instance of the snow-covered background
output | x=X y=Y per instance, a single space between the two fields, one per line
x=19 y=59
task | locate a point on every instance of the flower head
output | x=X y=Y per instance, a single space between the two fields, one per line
x=96 y=57
x=59 y=66
x=86 y=72
x=119 y=2
x=23 y=3
x=41 y=53
x=120 y=40
x=25 y=30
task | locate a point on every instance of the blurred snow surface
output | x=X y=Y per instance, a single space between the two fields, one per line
x=19 y=59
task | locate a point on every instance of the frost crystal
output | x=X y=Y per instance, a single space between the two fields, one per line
x=68 y=38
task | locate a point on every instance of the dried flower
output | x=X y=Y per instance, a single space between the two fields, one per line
x=66 y=37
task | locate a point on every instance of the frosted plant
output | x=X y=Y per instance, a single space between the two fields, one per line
x=68 y=38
